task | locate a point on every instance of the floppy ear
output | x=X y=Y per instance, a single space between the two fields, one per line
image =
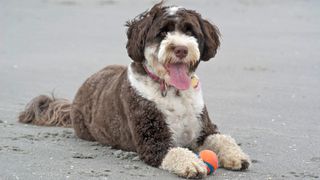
x=137 y=33
x=211 y=40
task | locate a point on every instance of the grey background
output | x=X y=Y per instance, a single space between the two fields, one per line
x=262 y=87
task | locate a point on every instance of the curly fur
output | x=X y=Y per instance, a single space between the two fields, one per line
x=123 y=107
x=184 y=163
x=47 y=111
x=229 y=153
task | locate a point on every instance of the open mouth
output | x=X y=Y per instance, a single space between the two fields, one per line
x=179 y=75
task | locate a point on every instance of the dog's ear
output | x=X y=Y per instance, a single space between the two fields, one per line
x=211 y=39
x=137 y=32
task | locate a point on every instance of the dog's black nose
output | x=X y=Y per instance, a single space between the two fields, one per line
x=181 y=51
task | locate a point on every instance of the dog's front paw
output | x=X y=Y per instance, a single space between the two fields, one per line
x=229 y=153
x=184 y=163
x=234 y=159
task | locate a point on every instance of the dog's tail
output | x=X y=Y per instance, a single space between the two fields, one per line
x=47 y=111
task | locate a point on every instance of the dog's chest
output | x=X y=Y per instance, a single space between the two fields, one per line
x=182 y=114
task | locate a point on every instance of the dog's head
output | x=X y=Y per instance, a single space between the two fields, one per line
x=171 y=42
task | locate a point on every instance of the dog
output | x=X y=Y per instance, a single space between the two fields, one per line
x=155 y=105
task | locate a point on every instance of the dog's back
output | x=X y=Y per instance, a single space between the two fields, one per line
x=98 y=108
x=97 y=112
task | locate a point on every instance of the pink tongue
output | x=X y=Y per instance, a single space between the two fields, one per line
x=179 y=76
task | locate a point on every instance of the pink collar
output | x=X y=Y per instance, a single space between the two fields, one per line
x=163 y=84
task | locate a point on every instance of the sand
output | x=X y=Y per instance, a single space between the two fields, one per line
x=262 y=87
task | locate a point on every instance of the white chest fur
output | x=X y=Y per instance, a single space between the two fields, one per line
x=181 y=112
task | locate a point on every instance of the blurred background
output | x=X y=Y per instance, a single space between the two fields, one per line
x=262 y=87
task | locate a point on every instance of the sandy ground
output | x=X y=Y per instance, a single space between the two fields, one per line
x=262 y=88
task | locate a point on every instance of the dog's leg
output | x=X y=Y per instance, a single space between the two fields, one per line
x=79 y=126
x=229 y=153
x=153 y=141
x=184 y=163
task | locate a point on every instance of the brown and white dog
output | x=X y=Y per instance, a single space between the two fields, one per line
x=155 y=106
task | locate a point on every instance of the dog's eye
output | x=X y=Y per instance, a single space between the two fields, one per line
x=165 y=29
x=188 y=30
x=190 y=33
x=163 y=32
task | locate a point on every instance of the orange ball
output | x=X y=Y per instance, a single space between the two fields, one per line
x=210 y=159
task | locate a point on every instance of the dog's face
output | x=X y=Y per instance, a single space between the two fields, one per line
x=171 y=41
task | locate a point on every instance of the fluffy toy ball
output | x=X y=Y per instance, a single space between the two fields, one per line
x=210 y=159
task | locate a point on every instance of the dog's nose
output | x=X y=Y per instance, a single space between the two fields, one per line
x=181 y=51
